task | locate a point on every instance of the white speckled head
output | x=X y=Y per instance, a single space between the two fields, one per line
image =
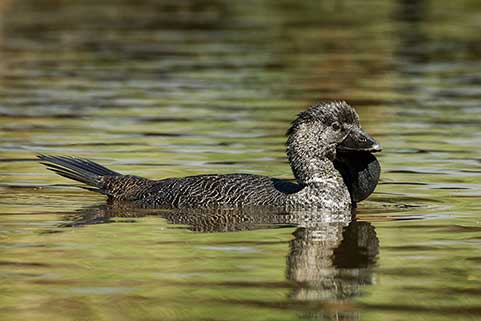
x=317 y=133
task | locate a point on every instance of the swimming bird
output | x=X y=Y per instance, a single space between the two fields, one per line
x=328 y=151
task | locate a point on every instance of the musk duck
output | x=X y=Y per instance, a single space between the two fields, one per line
x=331 y=158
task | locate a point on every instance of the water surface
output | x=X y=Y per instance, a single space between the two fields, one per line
x=193 y=87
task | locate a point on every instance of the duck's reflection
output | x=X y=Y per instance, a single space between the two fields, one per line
x=330 y=257
x=331 y=261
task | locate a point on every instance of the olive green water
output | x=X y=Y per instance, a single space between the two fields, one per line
x=191 y=87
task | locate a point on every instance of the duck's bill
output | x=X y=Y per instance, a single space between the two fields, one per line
x=359 y=141
x=357 y=165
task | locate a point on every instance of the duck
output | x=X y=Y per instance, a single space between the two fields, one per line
x=330 y=155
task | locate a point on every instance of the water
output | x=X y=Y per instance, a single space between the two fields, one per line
x=193 y=87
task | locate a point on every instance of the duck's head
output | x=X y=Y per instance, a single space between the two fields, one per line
x=331 y=132
x=328 y=127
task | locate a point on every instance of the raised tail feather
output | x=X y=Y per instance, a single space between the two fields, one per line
x=78 y=169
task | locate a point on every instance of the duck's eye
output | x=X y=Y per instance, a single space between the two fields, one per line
x=336 y=126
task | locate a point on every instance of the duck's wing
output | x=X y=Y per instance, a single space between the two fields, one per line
x=206 y=191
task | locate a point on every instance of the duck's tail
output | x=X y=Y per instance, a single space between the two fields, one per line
x=80 y=170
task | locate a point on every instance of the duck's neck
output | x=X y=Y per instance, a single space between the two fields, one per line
x=314 y=169
x=309 y=163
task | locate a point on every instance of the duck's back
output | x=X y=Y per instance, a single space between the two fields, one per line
x=233 y=190
x=202 y=191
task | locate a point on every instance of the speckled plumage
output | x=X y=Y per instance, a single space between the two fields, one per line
x=230 y=190
x=311 y=149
